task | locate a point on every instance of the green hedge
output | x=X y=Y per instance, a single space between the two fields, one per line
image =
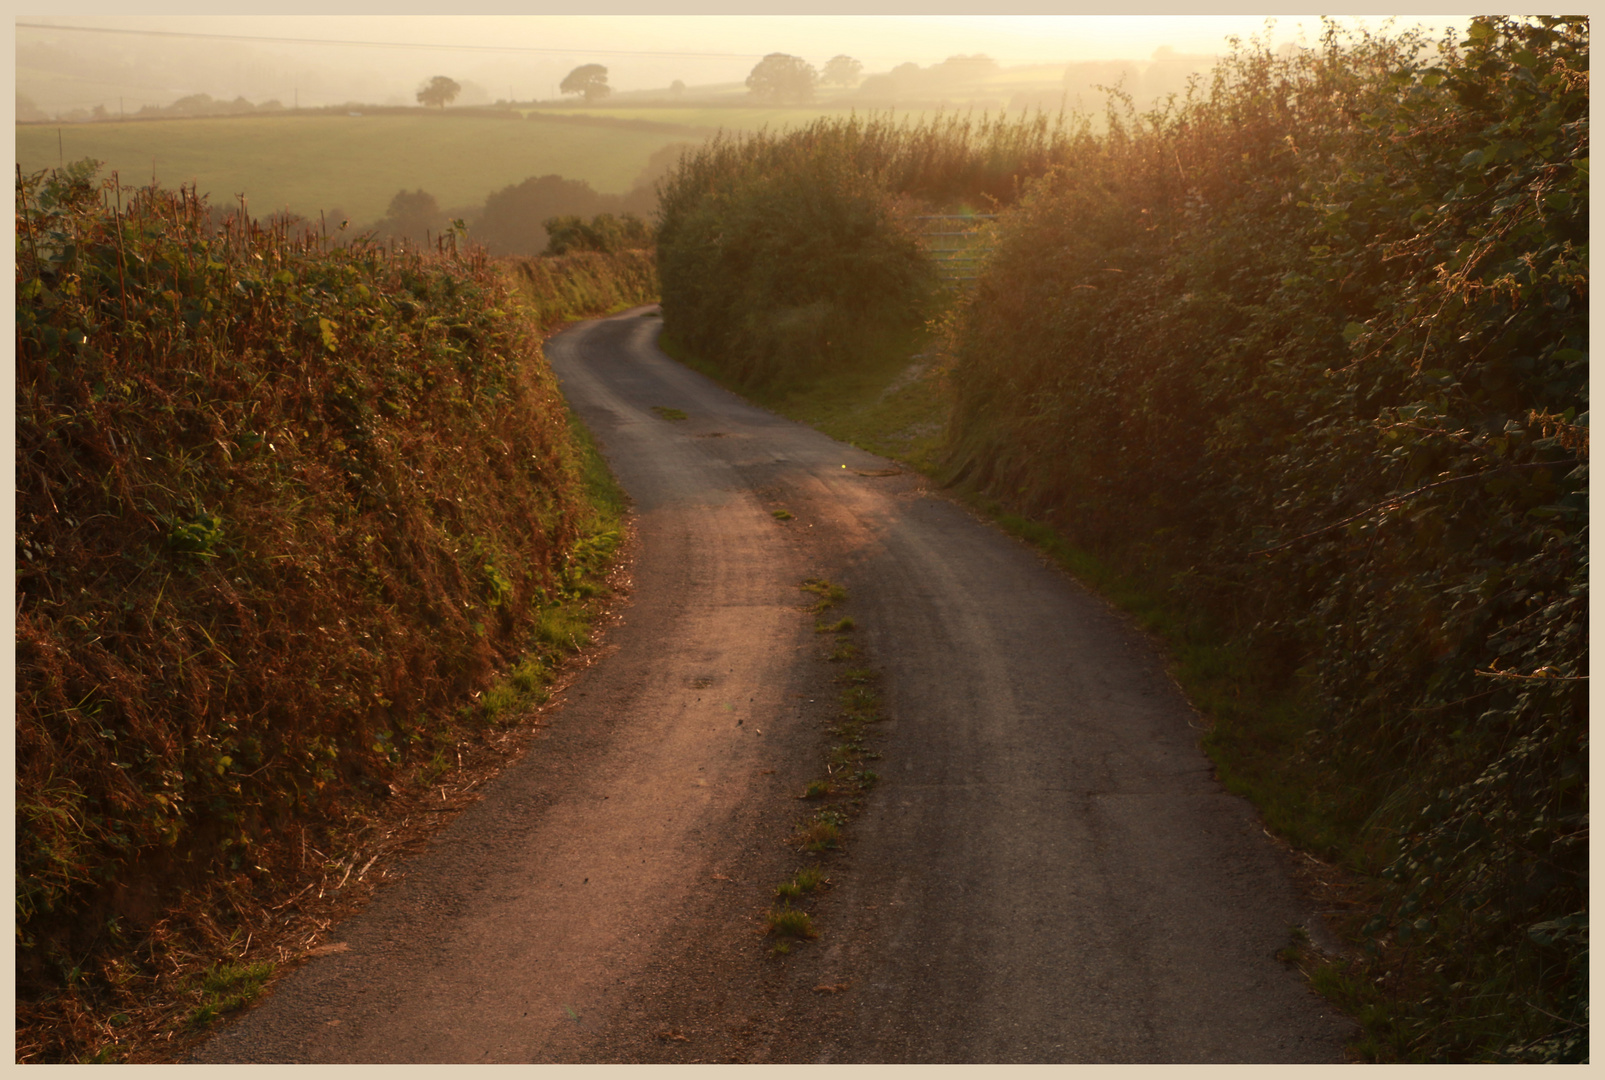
x=1310 y=345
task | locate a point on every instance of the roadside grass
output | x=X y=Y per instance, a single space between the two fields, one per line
x=556 y=289
x=894 y=406
x=320 y=162
x=228 y=988
x=563 y=623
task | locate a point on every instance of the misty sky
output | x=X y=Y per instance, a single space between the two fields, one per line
x=524 y=57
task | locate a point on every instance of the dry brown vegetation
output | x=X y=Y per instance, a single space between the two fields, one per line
x=285 y=511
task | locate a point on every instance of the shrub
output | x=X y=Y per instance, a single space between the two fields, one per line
x=569 y=233
x=279 y=507
x=1310 y=345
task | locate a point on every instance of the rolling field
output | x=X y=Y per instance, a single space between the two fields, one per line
x=356 y=163
x=709 y=116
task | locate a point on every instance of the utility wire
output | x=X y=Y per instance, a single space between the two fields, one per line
x=388 y=44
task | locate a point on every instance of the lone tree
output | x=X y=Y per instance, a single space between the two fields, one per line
x=841 y=71
x=414 y=215
x=587 y=79
x=781 y=78
x=438 y=91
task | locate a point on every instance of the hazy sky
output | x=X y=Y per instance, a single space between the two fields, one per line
x=523 y=56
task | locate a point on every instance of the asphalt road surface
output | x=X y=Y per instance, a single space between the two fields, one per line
x=1046 y=872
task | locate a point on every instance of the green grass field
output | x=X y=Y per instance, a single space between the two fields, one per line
x=356 y=163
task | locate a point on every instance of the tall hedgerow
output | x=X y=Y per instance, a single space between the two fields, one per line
x=1311 y=345
x=280 y=507
x=790 y=256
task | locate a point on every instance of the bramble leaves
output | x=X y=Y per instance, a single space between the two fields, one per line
x=1330 y=400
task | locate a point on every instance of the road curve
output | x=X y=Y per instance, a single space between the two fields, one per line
x=1048 y=871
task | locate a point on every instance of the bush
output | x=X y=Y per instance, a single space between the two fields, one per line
x=279 y=507
x=789 y=256
x=606 y=233
x=512 y=221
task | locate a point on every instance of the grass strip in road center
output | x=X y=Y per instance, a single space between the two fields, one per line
x=840 y=793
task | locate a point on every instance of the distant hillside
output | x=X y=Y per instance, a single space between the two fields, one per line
x=354 y=164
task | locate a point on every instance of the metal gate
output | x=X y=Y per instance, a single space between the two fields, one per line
x=956 y=243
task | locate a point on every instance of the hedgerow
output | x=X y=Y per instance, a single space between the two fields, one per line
x=281 y=506
x=785 y=256
x=1310 y=345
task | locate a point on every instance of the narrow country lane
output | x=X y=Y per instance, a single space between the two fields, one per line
x=1046 y=872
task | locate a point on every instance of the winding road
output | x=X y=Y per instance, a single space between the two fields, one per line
x=1046 y=872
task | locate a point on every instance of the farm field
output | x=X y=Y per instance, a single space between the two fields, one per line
x=730 y=118
x=772 y=118
x=356 y=163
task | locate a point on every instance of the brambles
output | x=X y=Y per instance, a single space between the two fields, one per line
x=1309 y=351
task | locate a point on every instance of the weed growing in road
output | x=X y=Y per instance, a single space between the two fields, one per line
x=861 y=701
x=781 y=515
x=829 y=595
x=228 y=987
x=670 y=414
x=846 y=782
x=808 y=879
x=790 y=922
x=821 y=834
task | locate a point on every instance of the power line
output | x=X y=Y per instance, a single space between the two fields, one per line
x=389 y=44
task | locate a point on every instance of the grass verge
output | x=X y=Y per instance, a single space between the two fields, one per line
x=894 y=406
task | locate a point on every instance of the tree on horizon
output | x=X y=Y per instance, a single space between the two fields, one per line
x=781 y=78
x=841 y=71
x=439 y=91
x=587 y=79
